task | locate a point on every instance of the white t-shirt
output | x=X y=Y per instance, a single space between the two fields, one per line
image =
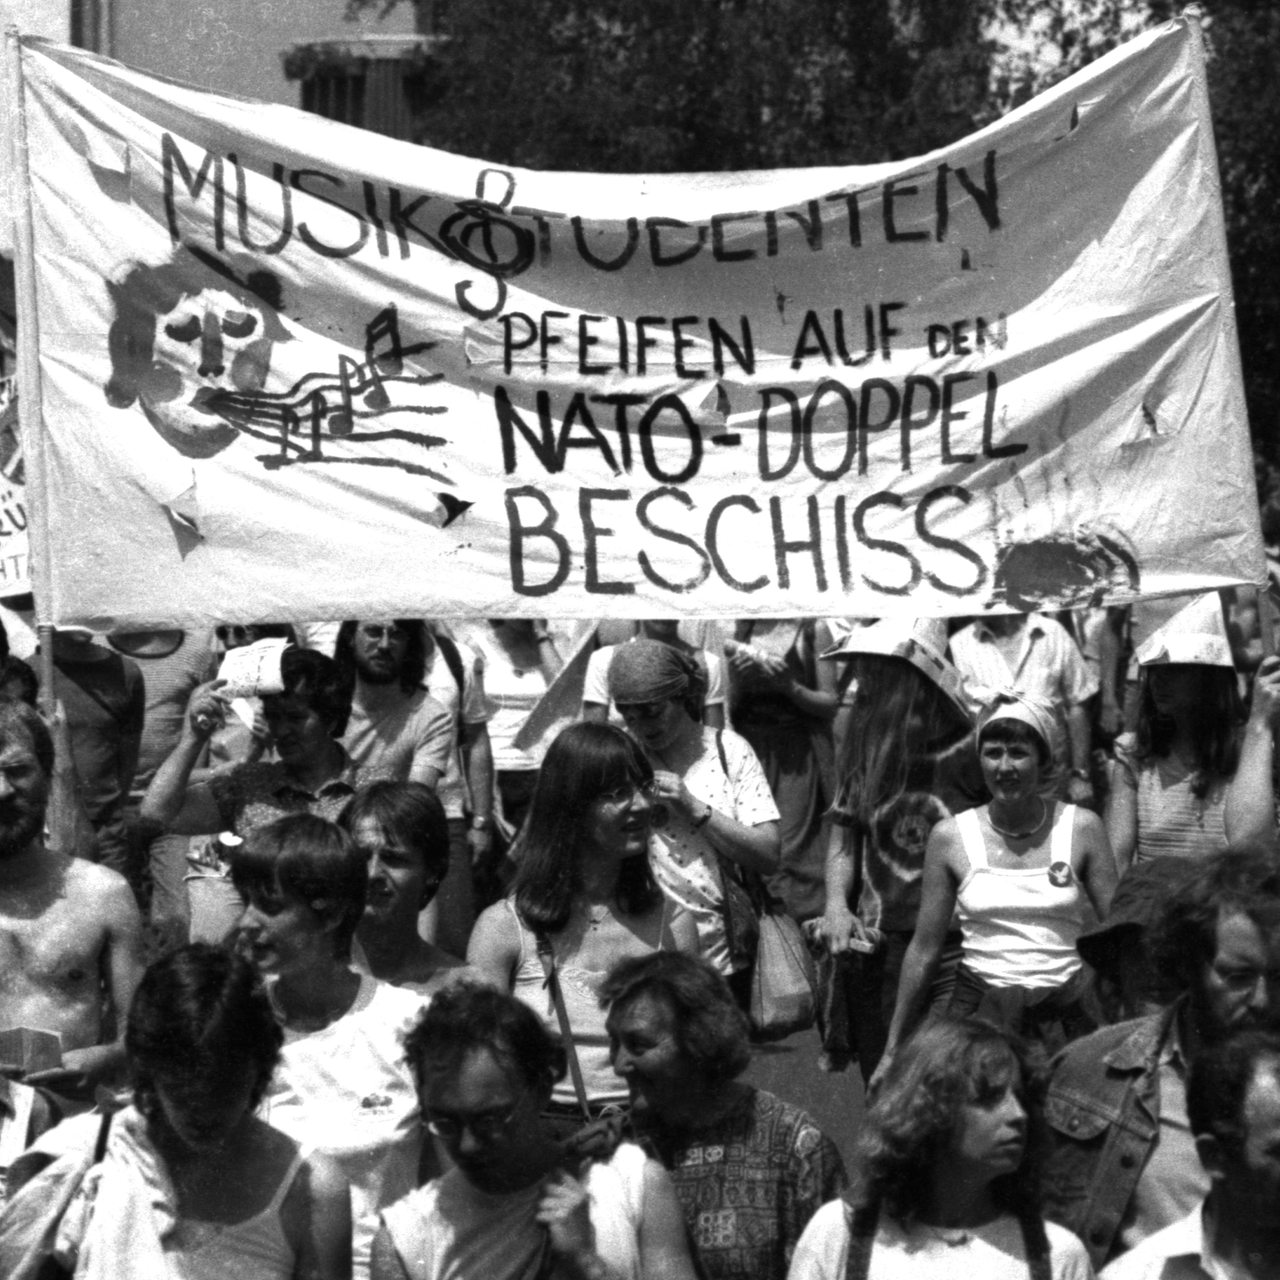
x=990 y=1252
x=414 y=731
x=512 y=693
x=685 y=862
x=348 y=1091
x=449 y=1230
x=467 y=705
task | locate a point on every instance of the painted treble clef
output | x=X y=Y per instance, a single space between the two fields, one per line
x=481 y=237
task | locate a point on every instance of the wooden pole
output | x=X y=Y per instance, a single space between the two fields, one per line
x=30 y=399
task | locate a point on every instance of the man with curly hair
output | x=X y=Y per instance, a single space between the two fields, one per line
x=1124 y=1163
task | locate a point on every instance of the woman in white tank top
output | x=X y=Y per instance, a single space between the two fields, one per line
x=191 y=1184
x=1017 y=871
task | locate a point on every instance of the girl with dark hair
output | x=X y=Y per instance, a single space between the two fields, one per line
x=946 y=1173
x=680 y=1042
x=514 y=1206
x=584 y=897
x=192 y=1184
x=342 y=1082
x=906 y=762
x=1170 y=779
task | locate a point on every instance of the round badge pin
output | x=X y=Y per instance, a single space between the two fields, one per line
x=1060 y=874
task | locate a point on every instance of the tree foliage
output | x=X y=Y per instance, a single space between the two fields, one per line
x=681 y=85
x=1241 y=38
x=688 y=85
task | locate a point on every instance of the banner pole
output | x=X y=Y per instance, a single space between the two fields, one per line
x=30 y=399
x=1193 y=16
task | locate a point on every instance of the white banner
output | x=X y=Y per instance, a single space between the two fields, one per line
x=14 y=571
x=293 y=370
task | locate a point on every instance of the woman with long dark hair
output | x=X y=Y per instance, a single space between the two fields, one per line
x=1170 y=780
x=584 y=897
x=906 y=763
x=946 y=1172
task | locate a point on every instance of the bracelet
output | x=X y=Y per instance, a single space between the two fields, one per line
x=702 y=821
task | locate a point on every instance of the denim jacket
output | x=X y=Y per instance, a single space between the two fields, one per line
x=1103 y=1110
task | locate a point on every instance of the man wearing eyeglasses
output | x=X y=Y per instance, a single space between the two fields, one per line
x=395 y=725
x=1123 y=1164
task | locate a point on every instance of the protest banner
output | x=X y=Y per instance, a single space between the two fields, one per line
x=289 y=369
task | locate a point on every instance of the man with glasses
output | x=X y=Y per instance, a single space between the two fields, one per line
x=516 y=1203
x=1124 y=1162
x=395 y=726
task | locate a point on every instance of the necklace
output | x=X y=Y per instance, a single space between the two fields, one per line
x=597 y=915
x=1019 y=835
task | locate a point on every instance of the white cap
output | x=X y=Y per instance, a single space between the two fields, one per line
x=1196 y=634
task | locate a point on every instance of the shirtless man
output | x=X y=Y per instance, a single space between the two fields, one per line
x=70 y=934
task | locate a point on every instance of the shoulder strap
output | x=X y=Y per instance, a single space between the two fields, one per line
x=975 y=847
x=1063 y=830
x=15 y=1136
x=104 y=1131
x=1035 y=1241
x=452 y=660
x=861 y=1221
x=277 y=1200
x=548 y=959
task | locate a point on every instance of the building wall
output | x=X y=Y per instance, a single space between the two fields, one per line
x=234 y=46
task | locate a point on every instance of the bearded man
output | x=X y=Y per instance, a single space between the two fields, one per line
x=1123 y=1164
x=70 y=933
x=395 y=727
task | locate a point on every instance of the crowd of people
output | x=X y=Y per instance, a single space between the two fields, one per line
x=362 y=977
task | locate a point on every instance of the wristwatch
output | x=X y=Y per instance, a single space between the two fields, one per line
x=1083 y=774
x=481 y=822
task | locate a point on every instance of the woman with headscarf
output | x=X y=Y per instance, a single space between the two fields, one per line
x=720 y=815
x=1017 y=871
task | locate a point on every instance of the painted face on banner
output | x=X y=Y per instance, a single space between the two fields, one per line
x=209 y=344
